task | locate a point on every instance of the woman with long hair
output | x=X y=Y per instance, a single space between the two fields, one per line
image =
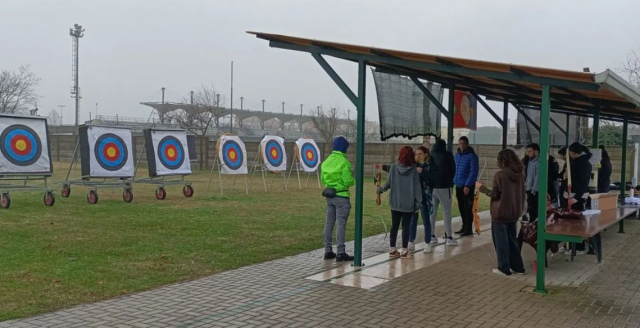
x=507 y=203
x=422 y=166
x=405 y=198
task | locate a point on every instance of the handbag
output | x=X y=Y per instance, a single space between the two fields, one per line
x=331 y=192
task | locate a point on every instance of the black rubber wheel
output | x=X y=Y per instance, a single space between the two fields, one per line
x=66 y=190
x=127 y=195
x=5 y=201
x=92 y=197
x=187 y=191
x=49 y=199
x=161 y=193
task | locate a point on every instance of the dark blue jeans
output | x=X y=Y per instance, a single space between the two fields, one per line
x=413 y=232
x=505 y=241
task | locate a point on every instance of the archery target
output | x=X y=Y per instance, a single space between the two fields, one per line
x=233 y=155
x=273 y=153
x=169 y=152
x=24 y=145
x=308 y=154
x=107 y=151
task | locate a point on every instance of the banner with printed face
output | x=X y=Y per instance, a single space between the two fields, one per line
x=465 y=113
x=273 y=153
x=308 y=154
x=106 y=152
x=167 y=152
x=232 y=155
x=24 y=145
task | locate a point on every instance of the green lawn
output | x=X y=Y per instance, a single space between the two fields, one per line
x=56 y=257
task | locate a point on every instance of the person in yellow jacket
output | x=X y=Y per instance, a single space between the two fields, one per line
x=336 y=175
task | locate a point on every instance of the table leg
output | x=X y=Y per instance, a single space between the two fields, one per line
x=598 y=247
x=573 y=251
x=621 y=226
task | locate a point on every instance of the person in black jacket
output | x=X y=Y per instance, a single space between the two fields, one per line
x=580 y=177
x=562 y=152
x=422 y=166
x=442 y=170
x=553 y=176
x=604 y=172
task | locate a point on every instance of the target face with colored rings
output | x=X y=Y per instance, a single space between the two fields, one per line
x=111 y=152
x=20 y=145
x=274 y=153
x=309 y=155
x=232 y=155
x=171 y=152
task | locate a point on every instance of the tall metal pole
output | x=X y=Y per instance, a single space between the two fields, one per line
x=362 y=79
x=543 y=181
x=623 y=174
x=452 y=91
x=232 y=96
x=505 y=123
x=61 y=120
x=241 y=103
x=191 y=97
x=283 y=107
x=595 y=136
x=300 y=109
x=263 y=105
x=162 y=95
x=76 y=33
x=567 y=130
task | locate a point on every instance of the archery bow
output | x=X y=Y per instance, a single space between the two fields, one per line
x=476 y=202
x=378 y=183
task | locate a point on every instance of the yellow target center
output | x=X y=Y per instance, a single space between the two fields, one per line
x=274 y=153
x=111 y=152
x=232 y=155
x=171 y=152
x=309 y=155
x=21 y=145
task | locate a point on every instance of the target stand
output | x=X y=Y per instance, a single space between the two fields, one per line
x=25 y=157
x=270 y=158
x=258 y=165
x=306 y=160
x=168 y=159
x=106 y=159
x=230 y=159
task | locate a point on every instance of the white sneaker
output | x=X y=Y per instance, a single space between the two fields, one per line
x=412 y=247
x=427 y=249
x=516 y=272
x=451 y=242
x=562 y=250
x=496 y=271
x=434 y=240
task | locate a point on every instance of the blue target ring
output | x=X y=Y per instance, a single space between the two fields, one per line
x=309 y=155
x=170 y=152
x=111 y=152
x=232 y=155
x=20 y=145
x=274 y=153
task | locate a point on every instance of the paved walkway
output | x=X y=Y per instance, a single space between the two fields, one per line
x=450 y=288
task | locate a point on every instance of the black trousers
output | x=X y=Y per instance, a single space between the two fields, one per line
x=465 y=206
x=396 y=219
x=532 y=206
x=507 y=248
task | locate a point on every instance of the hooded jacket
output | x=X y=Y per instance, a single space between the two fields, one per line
x=507 y=196
x=406 y=192
x=604 y=175
x=442 y=166
x=581 y=175
x=466 y=168
x=336 y=173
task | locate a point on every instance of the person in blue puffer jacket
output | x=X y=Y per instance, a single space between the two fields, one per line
x=465 y=182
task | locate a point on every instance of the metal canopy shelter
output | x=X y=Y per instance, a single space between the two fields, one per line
x=604 y=95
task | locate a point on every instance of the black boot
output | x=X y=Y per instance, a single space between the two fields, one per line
x=344 y=257
x=461 y=231
x=329 y=256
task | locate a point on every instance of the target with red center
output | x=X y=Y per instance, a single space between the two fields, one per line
x=111 y=152
x=274 y=153
x=309 y=155
x=232 y=155
x=20 y=145
x=171 y=152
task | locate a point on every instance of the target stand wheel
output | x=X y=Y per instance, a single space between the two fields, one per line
x=161 y=193
x=187 y=191
x=92 y=197
x=5 y=201
x=127 y=195
x=49 y=199
x=66 y=190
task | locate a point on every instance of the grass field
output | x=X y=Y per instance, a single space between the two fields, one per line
x=56 y=257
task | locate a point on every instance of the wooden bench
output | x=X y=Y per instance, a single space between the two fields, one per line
x=576 y=231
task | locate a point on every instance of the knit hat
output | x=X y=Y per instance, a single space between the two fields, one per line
x=340 y=144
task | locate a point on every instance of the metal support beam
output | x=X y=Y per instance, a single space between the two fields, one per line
x=505 y=124
x=452 y=91
x=623 y=174
x=545 y=114
x=336 y=78
x=360 y=106
x=568 y=127
x=429 y=95
x=557 y=126
x=595 y=136
x=526 y=117
x=484 y=104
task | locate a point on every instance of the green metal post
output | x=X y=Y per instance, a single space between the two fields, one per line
x=623 y=174
x=568 y=128
x=452 y=91
x=505 y=123
x=362 y=79
x=542 y=183
x=595 y=137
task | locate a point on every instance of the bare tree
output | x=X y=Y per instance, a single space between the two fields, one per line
x=54 y=118
x=350 y=130
x=198 y=117
x=326 y=123
x=631 y=69
x=17 y=90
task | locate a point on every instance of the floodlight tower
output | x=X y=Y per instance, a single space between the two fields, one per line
x=76 y=33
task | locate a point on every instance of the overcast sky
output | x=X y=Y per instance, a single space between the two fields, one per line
x=133 y=48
